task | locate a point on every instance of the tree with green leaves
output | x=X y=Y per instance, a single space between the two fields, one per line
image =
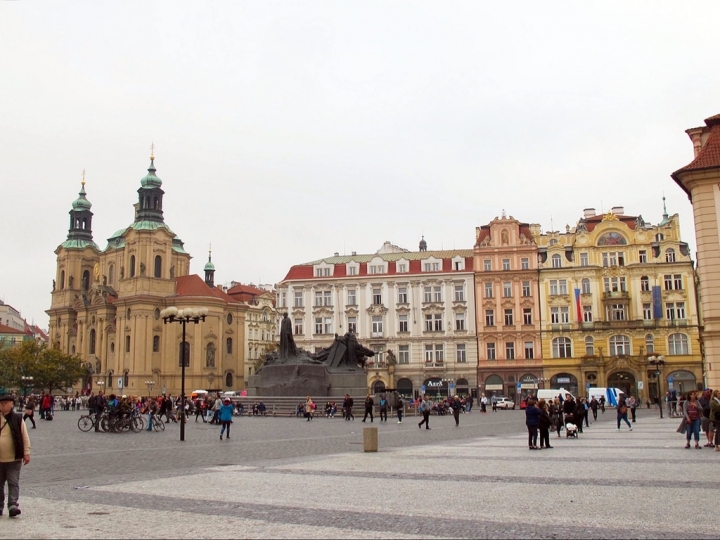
x=50 y=368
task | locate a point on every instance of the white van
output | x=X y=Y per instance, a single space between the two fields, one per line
x=551 y=394
x=597 y=393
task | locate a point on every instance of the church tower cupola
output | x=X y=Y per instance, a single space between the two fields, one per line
x=210 y=271
x=150 y=195
x=423 y=244
x=80 y=232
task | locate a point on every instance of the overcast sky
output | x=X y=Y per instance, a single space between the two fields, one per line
x=287 y=131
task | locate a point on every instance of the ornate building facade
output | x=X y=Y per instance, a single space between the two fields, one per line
x=617 y=292
x=106 y=305
x=700 y=179
x=414 y=309
x=508 y=314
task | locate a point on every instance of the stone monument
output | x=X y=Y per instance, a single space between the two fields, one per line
x=334 y=371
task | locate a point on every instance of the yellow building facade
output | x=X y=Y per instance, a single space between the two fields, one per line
x=618 y=297
x=106 y=306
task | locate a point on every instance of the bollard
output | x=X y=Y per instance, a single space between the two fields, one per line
x=370 y=439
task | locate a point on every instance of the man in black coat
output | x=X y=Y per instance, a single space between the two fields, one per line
x=369 y=405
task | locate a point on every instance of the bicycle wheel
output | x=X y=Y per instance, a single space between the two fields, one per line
x=158 y=424
x=85 y=423
x=137 y=424
x=105 y=423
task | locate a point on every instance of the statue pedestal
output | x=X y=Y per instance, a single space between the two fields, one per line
x=293 y=380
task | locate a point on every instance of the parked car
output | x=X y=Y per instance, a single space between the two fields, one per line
x=505 y=403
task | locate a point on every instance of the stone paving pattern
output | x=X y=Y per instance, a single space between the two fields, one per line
x=282 y=477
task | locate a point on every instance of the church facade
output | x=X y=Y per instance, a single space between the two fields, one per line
x=106 y=306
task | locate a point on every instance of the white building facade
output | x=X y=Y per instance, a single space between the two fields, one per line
x=414 y=309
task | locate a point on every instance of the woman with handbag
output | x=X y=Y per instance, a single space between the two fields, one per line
x=622 y=410
x=692 y=412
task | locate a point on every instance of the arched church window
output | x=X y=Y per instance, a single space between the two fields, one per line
x=111 y=274
x=156 y=203
x=126 y=379
x=62 y=279
x=92 y=341
x=228 y=380
x=210 y=355
x=86 y=280
x=132 y=265
x=158 y=266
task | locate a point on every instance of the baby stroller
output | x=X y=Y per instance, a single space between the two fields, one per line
x=571 y=430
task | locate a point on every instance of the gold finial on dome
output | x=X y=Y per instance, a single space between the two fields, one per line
x=83 y=179
x=152 y=152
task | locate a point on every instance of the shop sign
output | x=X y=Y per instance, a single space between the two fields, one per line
x=493 y=387
x=526 y=386
x=562 y=380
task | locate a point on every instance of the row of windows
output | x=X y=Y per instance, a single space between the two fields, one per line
x=506 y=266
x=612 y=258
x=430 y=294
x=400 y=268
x=508 y=317
x=491 y=350
x=433 y=323
x=507 y=291
x=620 y=345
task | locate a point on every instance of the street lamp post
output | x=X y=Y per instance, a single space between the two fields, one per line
x=27 y=381
x=149 y=384
x=658 y=362
x=183 y=317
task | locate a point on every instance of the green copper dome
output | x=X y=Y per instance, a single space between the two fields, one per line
x=81 y=203
x=209 y=266
x=151 y=180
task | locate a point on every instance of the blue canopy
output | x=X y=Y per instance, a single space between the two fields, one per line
x=611 y=397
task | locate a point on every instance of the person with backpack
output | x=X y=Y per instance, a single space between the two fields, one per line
x=383 y=408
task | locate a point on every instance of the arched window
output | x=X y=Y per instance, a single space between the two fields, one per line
x=210 y=355
x=110 y=378
x=158 y=266
x=562 y=347
x=112 y=347
x=86 y=280
x=619 y=345
x=586 y=286
x=156 y=343
x=111 y=274
x=670 y=255
x=228 y=380
x=186 y=355
x=378 y=387
x=92 y=341
x=127 y=344
x=644 y=284
x=659 y=237
x=156 y=203
x=229 y=318
x=556 y=261
x=62 y=280
x=678 y=344
x=132 y=265
x=228 y=345
x=126 y=379
x=589 y=346
x=649 y=344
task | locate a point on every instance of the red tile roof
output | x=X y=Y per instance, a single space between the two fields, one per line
x=194 y=285
x=246 y=293
x=4 y=329
x=305 y=271
x=709 y=155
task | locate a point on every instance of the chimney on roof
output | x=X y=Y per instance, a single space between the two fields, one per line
x=588 y=213
x=354 y=253
x=337 y=254
x=618 y=210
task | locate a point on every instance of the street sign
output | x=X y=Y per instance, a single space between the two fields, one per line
x=587 y=385
x=671 y=380
x=519 y=386
x=422 y=389
x=452 y=385
x=641 y=385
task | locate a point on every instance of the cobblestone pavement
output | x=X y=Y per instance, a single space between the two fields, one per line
x=475 y=481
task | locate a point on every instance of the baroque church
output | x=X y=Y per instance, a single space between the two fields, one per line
x=106 y=306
